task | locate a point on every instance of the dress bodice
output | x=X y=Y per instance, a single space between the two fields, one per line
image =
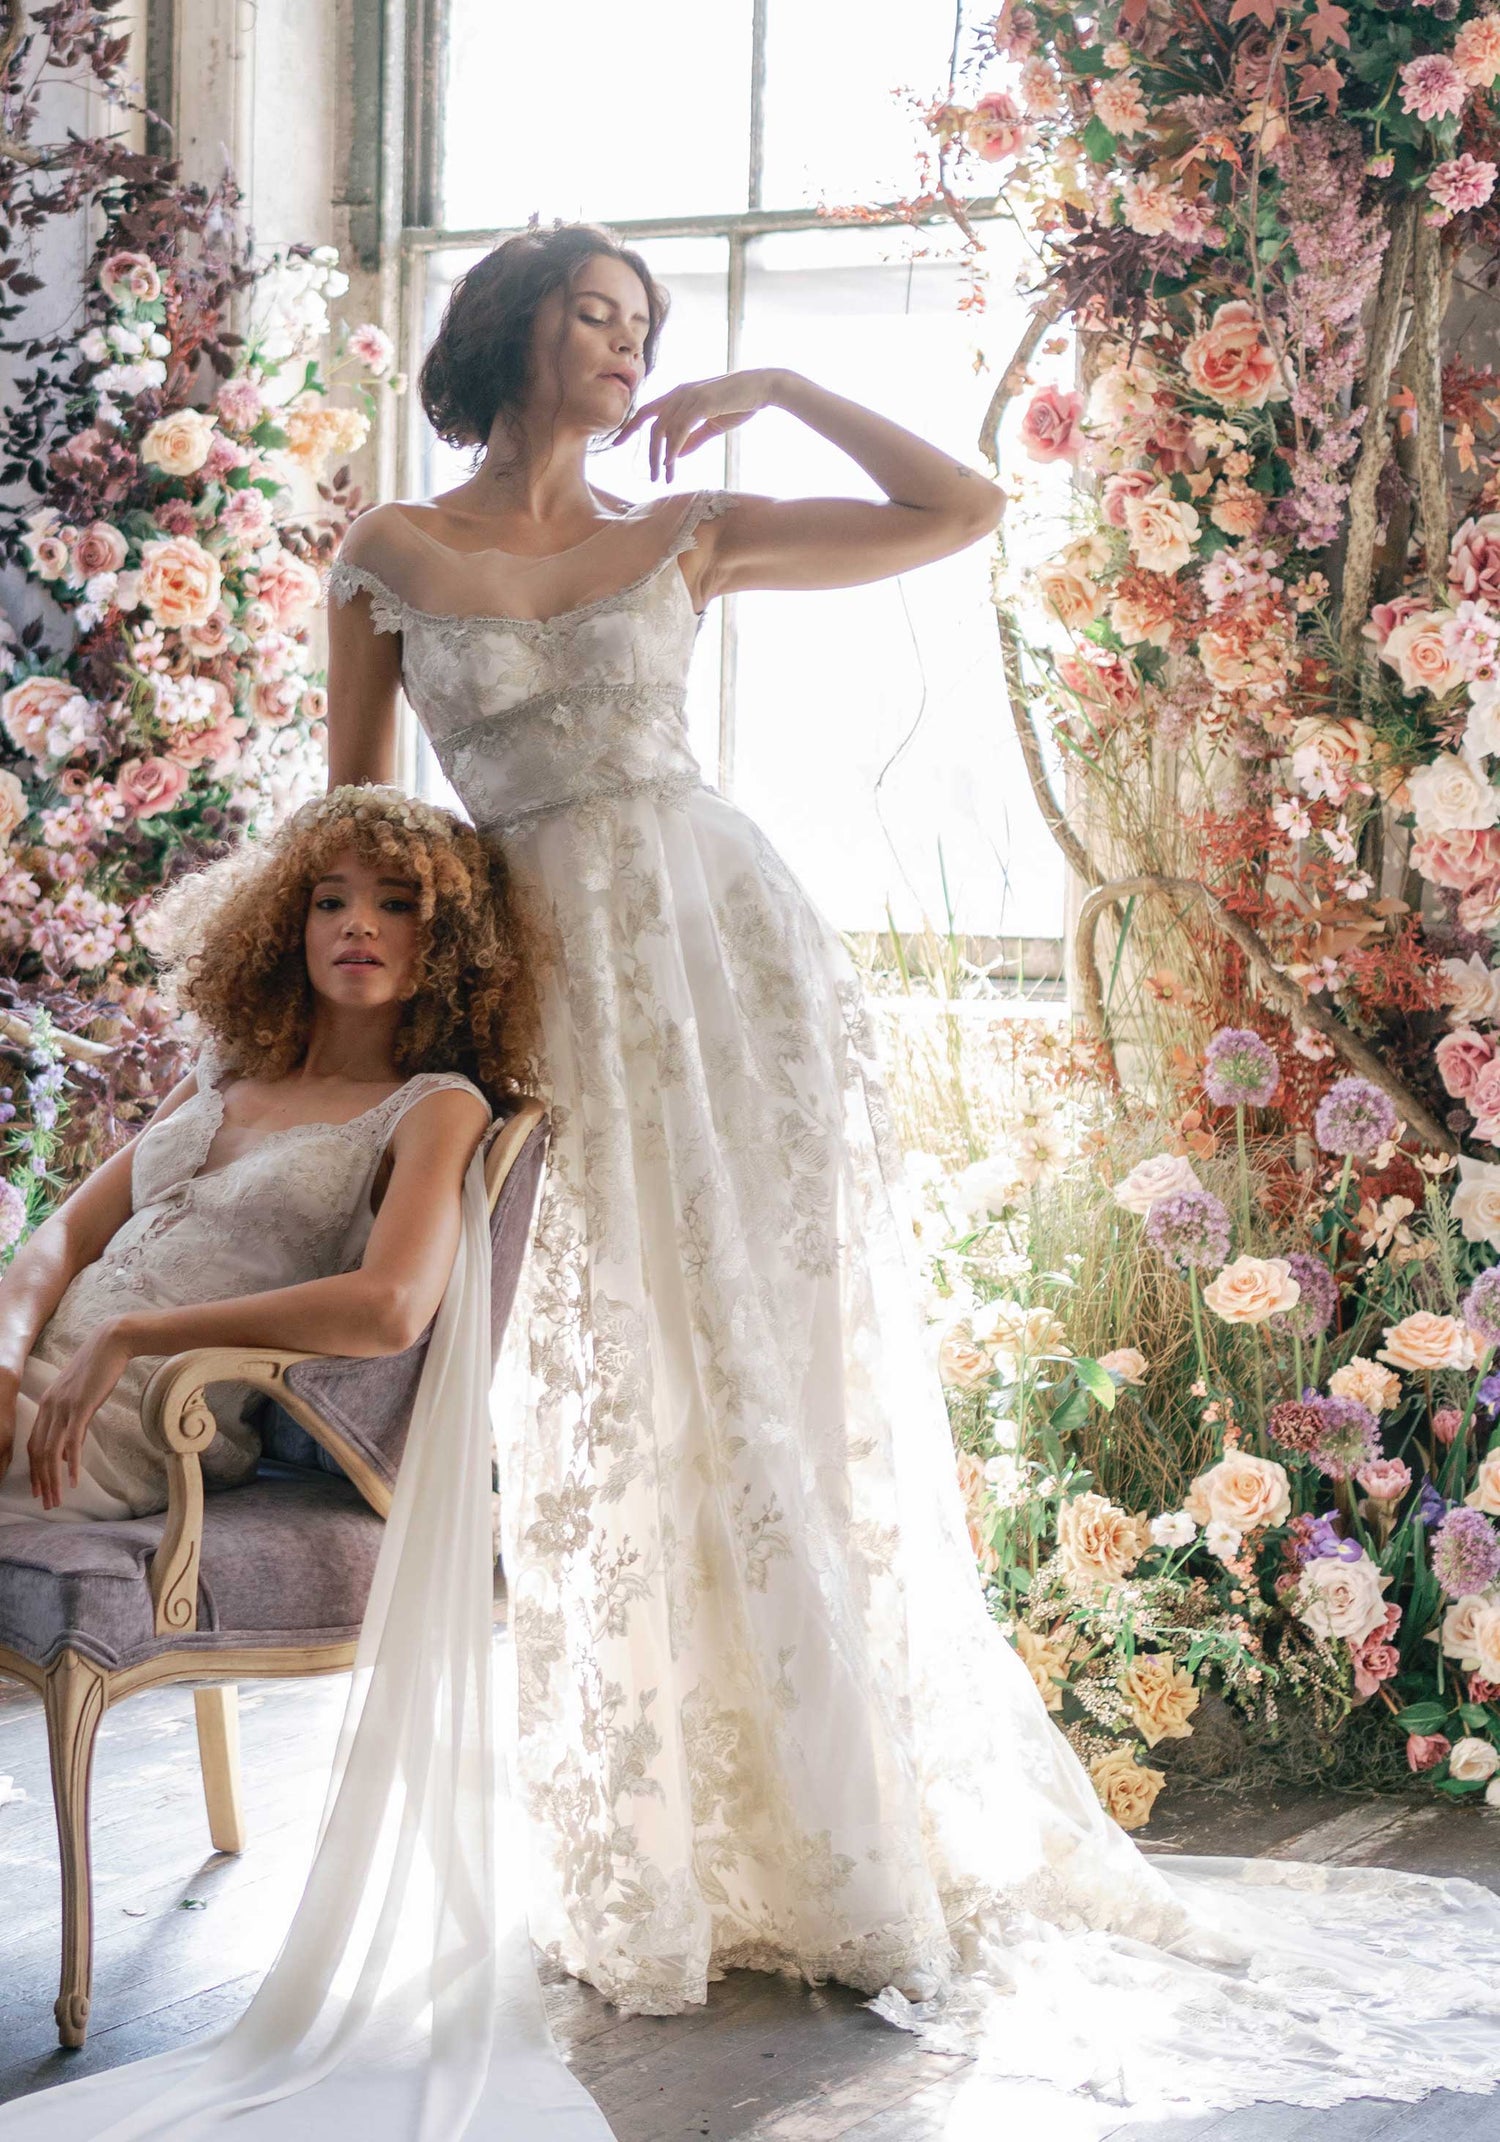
x=530 y=715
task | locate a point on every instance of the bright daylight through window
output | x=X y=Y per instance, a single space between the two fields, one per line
x=864 y=728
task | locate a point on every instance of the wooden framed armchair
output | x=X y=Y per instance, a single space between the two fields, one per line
x=261 y=1581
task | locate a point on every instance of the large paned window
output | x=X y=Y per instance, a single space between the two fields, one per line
x=864 y=728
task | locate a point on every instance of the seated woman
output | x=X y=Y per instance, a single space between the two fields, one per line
x=360 y=985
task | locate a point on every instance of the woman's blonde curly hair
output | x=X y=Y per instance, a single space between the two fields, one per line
x=231 y=941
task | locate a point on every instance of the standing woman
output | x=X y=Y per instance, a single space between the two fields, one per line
x=765 y=1717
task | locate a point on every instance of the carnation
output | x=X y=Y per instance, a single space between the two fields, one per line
x=373 y=348
x=1432 y=87
x=1189 y=1228
x=1240 y=1070
x=1354 y=1118
x=1317 y=1296
x=1118 y=102
x=1296 y=1424
x=1463 y=183
x=1476 y=51
x=1465 y=1554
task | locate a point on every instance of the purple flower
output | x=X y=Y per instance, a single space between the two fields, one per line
x=1191 y=1227
x=1431 y=1508
x=1325 y=1543
x=1489 y=1390
x=1480 y=1307
x=1239 y=1069
x=1465 y=1552
x=1350 y=1437
x=1317 y=1300
x=1354 y=1118
x=12 y=1215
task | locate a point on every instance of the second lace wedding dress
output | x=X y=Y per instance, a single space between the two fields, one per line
x=765 y=1718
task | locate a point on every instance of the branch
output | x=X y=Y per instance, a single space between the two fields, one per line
x=1428 y=307
x=1375 y=439
x=14 y=1027
x=12 y=148
x=1281 y=990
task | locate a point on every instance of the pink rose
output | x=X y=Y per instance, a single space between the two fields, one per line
x=210 y=637
x=100 y=549
x=1483 y=1099
x=1231 y=362
x=149 y=786
x=1386 y=616
x=276 y=700
x=288 y=587
x=130 y=275
x=1385 y=1479
x=1120 y=489
x=315 y=703
x=995 y=128
x=1461 y=1056
x=1480 y=909
x=1374 y=1663
x=1050 y=428
x=216 y=745
x=1424 y=1751
x=1474 y=559
x=1446 y=1423
x=1101 y=677
x=1462 y=859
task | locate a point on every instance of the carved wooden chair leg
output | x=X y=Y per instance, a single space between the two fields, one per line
x=218 y=1714
x=75 y=1697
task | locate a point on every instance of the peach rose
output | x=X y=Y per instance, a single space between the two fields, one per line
x=1144 y=615
x=1253 y=1288
x=180 y=581
x=12 y=805
x=1241 y=1491
x=1471 y=991
x=963 y=1363
x=977 y=1509
x=1127 y=1789
x=995 y=128
x=210 y=636
x=1462 y=860
x=178 y=443
x=276 y=700
x=1120 y=489
x=1476 y=51
x=1103 y=678
x=130 y=275
x=1072 y=597
x=1231 y=362
x=149 y=786
x=1097 y=1543
x=1367 y=1383
x=28 y=710
x=1419 y=655
x=1046 y=1659
x=1162 y=530
x=1327 y=753
x=1485 y=1636
x=289 y=587
x=217 y=744
x=100 y=549
x=1423 y=1342
x=1160 y=1697
x=1457 y=1636
x=1460 y=1057
x=1126 y=1362
x=1050 y=428
x=1485 y=1493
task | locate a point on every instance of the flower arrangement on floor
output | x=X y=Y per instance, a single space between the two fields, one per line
x=164 y=702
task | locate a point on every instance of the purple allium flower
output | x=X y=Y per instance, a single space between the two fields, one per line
x=1239 y=1069
x=1465 y=1552
x=1317 y=1299
x=12 y=1215
x=1354 y=1118
x=1431 y=1508
x=1480 y=1307
x=1350 y=1437
x=1190 y=1227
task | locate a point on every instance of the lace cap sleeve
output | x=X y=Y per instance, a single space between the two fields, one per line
x=370 y=563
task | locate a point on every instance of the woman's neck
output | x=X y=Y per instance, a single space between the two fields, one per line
x=359 y=1046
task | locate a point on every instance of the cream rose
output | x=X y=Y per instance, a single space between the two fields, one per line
x=12 y=805
x=1097 y=1543
x=1417 y=652
x=1074 y=599
x=1164 y=1175
x=1253 y=1288
x=1473 y=1760
x=1459 y=1634
x=1484 y=1631
x=178 y=444
x=1160 y=1697
x=1127 y=1789
x=1472 y=991
x=1162 y=530
x=1046 y=1659
x=1342 y=1599
x=1485 y=1493
x=963 y=1364
x=1476 y=1201
x=1367 y=1383
x=1326 y=754
x=1241 y=1491
x=180 y=581
x=1012 y=1333
x=1126 y=1362
x=1231 y=361
x=1423 y=1342
x=1447 y=796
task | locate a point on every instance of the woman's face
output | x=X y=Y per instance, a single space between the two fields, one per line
x=361 y=933
x=587 y=346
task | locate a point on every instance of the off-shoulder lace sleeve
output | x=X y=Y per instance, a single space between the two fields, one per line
x=346 y=580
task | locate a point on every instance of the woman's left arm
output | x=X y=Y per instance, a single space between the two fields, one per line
x=381 y=1308
x=934 y=504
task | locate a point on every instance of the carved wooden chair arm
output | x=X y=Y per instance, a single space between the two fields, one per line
x=177 y=1417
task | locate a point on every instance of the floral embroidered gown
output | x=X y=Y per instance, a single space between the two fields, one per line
x=765 y=1719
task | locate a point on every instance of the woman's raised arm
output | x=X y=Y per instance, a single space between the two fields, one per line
x=934 y=504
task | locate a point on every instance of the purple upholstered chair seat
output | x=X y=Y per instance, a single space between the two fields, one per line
x=285 y=1561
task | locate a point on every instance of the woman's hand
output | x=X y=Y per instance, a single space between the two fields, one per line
x=70 y=1402
x=690 y=416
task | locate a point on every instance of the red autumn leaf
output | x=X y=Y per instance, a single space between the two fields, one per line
x=1324 y=81
x=1328 y=24
x=1261 y=11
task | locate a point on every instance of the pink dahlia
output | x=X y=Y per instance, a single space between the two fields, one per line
x=1432 y=87
x=1464 y=182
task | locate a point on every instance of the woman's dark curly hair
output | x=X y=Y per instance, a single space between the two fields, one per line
x=231 y=939
x=479 y=366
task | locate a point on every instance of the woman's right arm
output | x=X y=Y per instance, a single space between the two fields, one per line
x=45 y=1266
x=364 y=677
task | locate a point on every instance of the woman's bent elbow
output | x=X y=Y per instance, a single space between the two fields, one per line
x=397 y=1319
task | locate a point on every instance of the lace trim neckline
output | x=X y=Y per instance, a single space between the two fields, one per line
x=521 y=557
x=214 y=1122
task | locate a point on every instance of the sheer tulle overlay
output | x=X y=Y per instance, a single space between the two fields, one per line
x=404 y=2005
x=765 y=1718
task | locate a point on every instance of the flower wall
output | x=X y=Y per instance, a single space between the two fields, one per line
x=182 y=448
